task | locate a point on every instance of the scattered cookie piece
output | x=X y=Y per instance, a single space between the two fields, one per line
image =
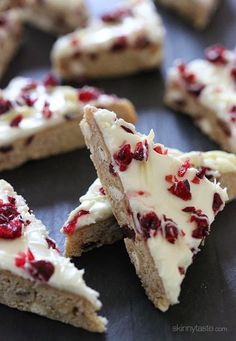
x=39 y=119
x=124 y=41
x=34 y=276
x=206 y=91
x=164 y=212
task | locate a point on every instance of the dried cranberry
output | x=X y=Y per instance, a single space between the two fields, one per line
x=232 y=113
x=183 y=169
x=28 y=100
x=6 y=149
x=29 y=140
x=201 y=172
x=111 y=169
x=50 y=81
x=88 y=94
x=216 y=54
x=116 y=15
x=149 y=222
x=160 y=150
x=70 y=227
x=102 y=191
x=233 y=73
x=171 y=232
x=41 y=270
x=217 y=203
x=201 y=221
x=16 y=121
x=5 y=106
x=51 y=244
x=3 y=20
x=181 y=189
x=141 y=151
x=47 y=113
x=196 y=180
x=181 y=270
x=123 y=157
x=128 y=130
x=120 y=44
x=11 y=224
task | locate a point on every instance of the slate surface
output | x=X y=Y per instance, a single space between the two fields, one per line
x=52 y=188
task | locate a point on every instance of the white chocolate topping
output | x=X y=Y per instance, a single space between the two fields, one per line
x=63 y=103
x=98 y=205
x=65 y=276
x=100 y=35
x=219 y=92
x=148 y=191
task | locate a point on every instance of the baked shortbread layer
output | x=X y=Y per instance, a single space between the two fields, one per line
x=126 y=40
x=39 y=119
x=10 y=37
x=97 y=225
x=34 y=276
x=164 y=206
x=198 y=12
x=205 y=90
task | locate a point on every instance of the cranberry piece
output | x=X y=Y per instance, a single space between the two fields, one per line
x=232 y=113
x=196 y=180
x=11 y=224
x=16 y=121
x=224 y=127
x=216 y=54
x=190 y=209
x=171 y=232
x=202 y=172
x=233 y=73
x=141 y=151
x=217 y=203
x=6 y=149
x=70 y=227
x=201 y=221
x=181 y=68
x=141 y=42
x=116 y=15
x=41 y=270
x=170 y=178
x=3 y=21
x=47 y=113
x=128 y=130
x=183 y=169
x=128 y=232
x=160 y=150
x=111 y=169
x=181 y=270
x=120 y=44
x=11 y=200
x=149 y=222
x=181 y=189
x=5 y=106
x=123 y=157
x=50 y=81
x=195 y=89
x=28 y=99
x=88 y=94
x=51 y=244
x=32 y=85
x=102 y=191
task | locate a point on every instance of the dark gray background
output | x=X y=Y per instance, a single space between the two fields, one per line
x=53 y=186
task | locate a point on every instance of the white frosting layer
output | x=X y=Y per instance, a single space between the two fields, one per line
x=95 y=203
x=98 y=205
x=65 y=277
x=101 y=35
x=63 y=101
x=219 y=94
x=149 y=177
